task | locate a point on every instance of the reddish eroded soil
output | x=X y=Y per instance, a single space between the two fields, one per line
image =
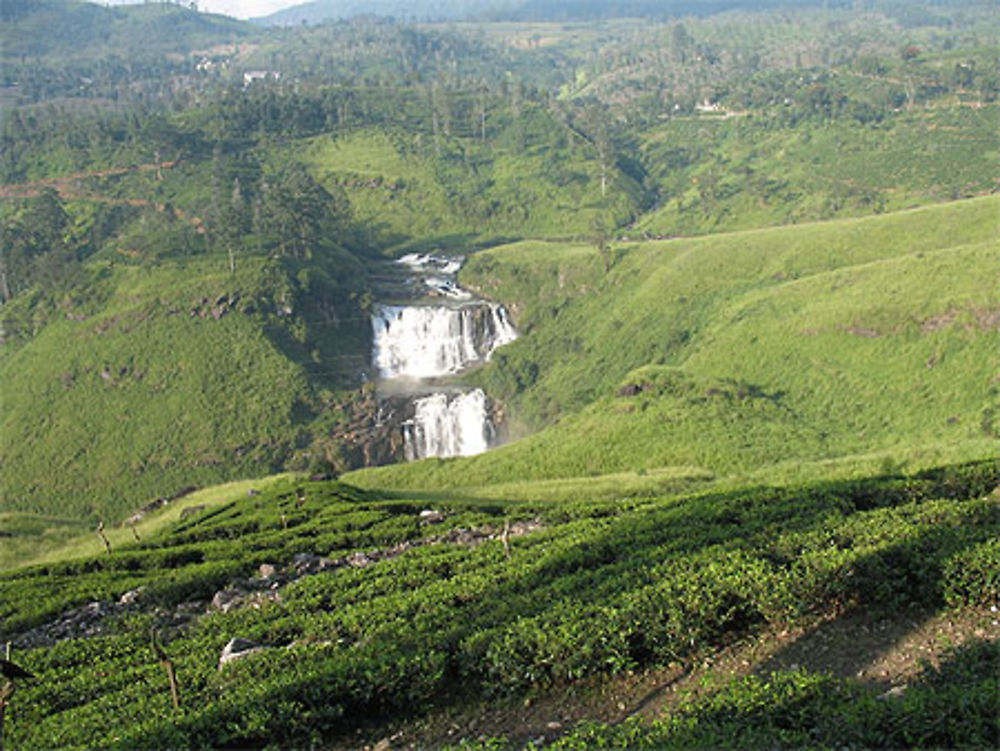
x=880 y=652
x=64 y=184
x=68 y=189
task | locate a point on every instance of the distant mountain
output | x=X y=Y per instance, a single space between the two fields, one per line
x=70 y=28
x=318 y=11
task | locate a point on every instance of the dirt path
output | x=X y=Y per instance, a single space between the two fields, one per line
x=879 y=652
x=64 y=185
x=68 y=189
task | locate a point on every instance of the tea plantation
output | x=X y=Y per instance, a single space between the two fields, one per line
x=355 y=607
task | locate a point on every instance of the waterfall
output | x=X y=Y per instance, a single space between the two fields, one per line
x=430 y=340
x=459 y=426
x=424 y=341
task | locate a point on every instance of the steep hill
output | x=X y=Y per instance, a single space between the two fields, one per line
x=533 y=178
x=740 y=351
x=722 y=173
x=172 y=375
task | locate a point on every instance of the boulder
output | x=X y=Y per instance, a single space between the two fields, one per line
x=226 y=599
x=359 y=560
x=308 y=563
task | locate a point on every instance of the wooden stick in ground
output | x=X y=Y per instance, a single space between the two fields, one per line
x=100 y=531
x=505 y=537
x=5 y=693
x=168 y=666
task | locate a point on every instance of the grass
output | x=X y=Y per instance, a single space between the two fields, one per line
x=947 y=706
x=724 y=175
x=222 y=386
x=533 y=178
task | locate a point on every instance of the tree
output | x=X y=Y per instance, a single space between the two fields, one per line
x=297 y=214
x=595 y=122
x=33 y=247
x=601 y=238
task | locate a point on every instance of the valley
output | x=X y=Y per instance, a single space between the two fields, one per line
x=540 y=375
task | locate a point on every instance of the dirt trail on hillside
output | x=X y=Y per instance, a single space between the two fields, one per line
x=879 y=652
x=68 y=189
x=64 y=183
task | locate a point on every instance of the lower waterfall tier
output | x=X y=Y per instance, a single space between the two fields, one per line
x=443 y=426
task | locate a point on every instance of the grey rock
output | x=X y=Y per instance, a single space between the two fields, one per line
x=431 y=516
x=130 y=597
x=237 y=649
x=359 y=560
x=226 y=599
x=896 y=692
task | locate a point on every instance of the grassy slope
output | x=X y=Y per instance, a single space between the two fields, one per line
x=142 y=397
x=527 y=181
x=768 y=174
x=750 y=349
x=39 y=540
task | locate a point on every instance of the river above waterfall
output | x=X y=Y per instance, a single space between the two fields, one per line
x=421 y=344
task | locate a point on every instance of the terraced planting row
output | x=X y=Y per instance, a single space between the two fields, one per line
x=376 y=606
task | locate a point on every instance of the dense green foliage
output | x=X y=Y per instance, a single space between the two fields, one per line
x=598 y=588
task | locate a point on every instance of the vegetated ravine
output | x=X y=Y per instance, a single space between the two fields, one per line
x=427 y=332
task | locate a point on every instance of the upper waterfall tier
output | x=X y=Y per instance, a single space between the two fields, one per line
x=422 y=341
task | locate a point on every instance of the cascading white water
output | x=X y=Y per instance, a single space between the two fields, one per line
x=459 y=426
x=423 y=341
x=431 y=341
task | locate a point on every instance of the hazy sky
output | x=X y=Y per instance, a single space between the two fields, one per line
x=245 y=8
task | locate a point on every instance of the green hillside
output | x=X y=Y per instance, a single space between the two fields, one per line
x=719 y=174
x=172 y=375
x=739 y=351
x=534 y=178
x=747 y=492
